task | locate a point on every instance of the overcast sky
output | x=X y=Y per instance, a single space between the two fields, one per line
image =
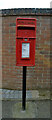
x=5 y=4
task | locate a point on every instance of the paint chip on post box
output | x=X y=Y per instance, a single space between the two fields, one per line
x=25 y=50
x=25 y=41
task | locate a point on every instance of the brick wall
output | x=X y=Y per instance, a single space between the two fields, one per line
x=39 y=75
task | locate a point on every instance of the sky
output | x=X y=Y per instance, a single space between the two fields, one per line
x=5 y=4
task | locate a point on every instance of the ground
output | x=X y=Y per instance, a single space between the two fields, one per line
x=34 y=109
x=37 y=104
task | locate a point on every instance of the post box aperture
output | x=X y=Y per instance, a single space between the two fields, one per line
x=25 y=41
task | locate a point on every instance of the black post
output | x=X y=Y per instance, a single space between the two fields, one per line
x=24 y=89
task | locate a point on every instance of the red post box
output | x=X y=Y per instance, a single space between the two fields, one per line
x=25 y=41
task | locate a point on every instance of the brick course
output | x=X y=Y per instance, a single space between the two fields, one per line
x=39 y=75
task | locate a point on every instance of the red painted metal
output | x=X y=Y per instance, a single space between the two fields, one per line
x=25 y=33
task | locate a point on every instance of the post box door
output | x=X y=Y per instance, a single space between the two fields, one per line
x=25 y=41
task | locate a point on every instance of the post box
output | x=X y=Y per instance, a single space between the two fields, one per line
x=25 y=41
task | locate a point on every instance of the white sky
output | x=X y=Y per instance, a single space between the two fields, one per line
x=5 y=4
